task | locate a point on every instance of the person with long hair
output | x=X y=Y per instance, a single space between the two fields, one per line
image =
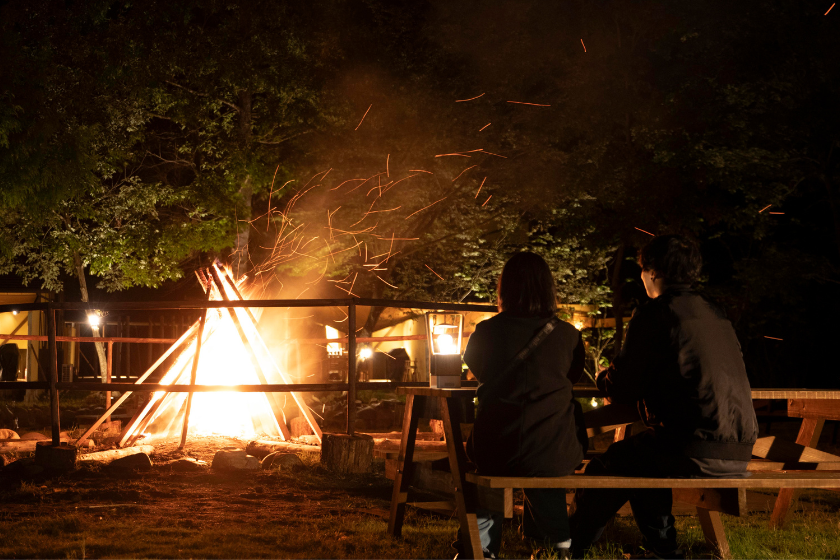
x=528 y=422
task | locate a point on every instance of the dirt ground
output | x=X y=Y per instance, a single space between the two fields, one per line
x=98 y=512
x=305 y=512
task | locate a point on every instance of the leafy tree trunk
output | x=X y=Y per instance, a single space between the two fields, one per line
x=242 y=258
x=100 y=347
x=618 y=303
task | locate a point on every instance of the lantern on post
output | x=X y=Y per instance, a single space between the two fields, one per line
x=444 y=331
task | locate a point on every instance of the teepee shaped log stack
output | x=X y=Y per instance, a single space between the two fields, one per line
x=218 y=285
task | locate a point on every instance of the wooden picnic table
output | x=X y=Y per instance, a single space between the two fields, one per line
x=813 y=406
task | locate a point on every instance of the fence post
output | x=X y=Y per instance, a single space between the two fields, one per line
x=108 y=377
x=53 y=373
x=351 y=368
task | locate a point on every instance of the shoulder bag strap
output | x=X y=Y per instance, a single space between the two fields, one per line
x=541 y=335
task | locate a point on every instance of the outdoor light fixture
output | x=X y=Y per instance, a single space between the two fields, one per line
x=94 y=319
x=365 y=353
x=443 y=336
x=14 y=312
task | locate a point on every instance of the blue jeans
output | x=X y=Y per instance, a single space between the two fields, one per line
x=545 y=520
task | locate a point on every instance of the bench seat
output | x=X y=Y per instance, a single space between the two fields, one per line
x=783 y=479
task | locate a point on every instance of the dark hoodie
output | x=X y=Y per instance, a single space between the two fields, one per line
x=526 y=421
x=682 y=363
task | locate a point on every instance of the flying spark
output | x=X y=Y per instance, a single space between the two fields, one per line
x=387 y=168
x=584 y=46
x=464 y=171
x=483 y=127
x=433 y=272
x=486 y=201
x=525 y=103
x=765 y=208
x=773 y=338
x=470 y=99
x=479 y=187
x=777 y=213
x=429 y=206
x=444 y=155
x=826 y=13
x=363 y=118
x=643 y=231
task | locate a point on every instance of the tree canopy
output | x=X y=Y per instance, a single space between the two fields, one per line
x=405 y=150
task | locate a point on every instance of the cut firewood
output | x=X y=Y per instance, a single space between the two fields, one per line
x=261 y=448
x=347 y=454
x=9 y=445
x=111 y=454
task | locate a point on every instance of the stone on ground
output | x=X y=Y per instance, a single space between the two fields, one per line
x=188 y=464
x=282 y=461
x=137 y=462
x=236 y=460
x=35 y=436
x=8 y=434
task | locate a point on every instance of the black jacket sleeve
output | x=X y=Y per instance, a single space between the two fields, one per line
x=626 y=380
x=578 y=361
x=475 y=356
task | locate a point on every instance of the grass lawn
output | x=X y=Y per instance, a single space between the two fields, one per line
x=308 y=513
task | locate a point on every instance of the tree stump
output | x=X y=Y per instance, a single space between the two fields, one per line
x=347 y=454
x=298 y=426
x=61 y=458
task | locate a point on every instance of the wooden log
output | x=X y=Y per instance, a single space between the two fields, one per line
x=347 y=454
x=62 y=457
x=10 y=445
x=298 y=426
x=111 y=454
x=261 y=448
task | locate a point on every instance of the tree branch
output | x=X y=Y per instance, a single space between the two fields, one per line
x=198 y=93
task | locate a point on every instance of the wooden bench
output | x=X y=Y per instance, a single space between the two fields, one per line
x=711 y=496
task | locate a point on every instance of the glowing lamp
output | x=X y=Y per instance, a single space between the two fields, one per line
x=365 y=353
x=14 y=312
x=444 y=332
x=94 y=319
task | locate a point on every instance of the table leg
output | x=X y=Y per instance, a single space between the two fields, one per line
x=464 y=501
x=714 y=532
x=405 y=464
x=809 y=435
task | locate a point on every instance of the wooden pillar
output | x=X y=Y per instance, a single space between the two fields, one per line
x=714 y=532
x=109 y=370
x=126 y=369
x=193 y=374
x=351 y=368
x=150 y=347
x=405 y=463
x=53 y=373
x=452 y=409
x=809 y=435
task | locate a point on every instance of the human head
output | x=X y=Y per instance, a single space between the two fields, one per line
x=526 y=286
x=671 y=259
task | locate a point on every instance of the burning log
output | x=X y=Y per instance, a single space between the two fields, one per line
x=347 y=453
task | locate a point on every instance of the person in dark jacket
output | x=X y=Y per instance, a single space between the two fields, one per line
x=526 y=419
x=681 y=364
